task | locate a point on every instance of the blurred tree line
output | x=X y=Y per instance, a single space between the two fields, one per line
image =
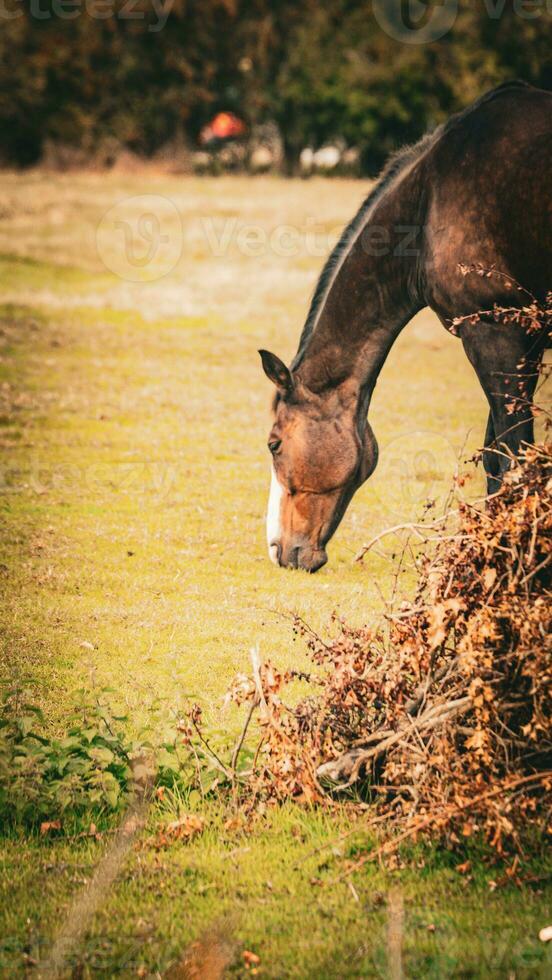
x=141 y=74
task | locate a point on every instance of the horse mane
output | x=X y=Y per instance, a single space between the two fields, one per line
x=394 y=166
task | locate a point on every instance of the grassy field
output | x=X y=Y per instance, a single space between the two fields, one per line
x=133 y=480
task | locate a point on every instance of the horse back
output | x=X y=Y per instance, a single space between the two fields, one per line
x=488 y=179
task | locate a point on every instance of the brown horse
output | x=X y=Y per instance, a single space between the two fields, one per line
x=477 y=190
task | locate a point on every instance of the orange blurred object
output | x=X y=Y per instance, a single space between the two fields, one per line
x=225 y=125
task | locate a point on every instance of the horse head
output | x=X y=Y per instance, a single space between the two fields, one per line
x=322 y=450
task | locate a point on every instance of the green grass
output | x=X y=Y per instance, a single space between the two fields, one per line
x=133 y=421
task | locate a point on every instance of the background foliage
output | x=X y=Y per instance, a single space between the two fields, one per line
x=323 y=69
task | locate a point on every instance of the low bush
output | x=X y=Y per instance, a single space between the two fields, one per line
x=57 y=783
x=441 y=715
x=43 y=777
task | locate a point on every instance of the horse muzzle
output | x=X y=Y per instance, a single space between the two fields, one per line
x=302 y=556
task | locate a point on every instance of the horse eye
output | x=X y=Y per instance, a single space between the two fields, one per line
x=274 y=446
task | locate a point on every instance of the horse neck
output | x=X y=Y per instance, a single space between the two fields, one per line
x=375 y=291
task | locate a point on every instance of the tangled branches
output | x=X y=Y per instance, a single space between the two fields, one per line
x=533 y=316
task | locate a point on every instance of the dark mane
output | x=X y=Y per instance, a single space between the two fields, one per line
x=395 y=164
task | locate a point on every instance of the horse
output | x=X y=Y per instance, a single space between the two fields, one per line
x=476 y=192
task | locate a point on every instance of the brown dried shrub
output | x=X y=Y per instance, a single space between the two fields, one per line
x=442 y=715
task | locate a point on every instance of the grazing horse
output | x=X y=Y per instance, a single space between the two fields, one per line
x=475 y=191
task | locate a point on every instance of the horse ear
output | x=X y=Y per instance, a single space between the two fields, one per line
x=276 y=371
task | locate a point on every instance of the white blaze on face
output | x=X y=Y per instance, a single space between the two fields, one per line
x=273 y=517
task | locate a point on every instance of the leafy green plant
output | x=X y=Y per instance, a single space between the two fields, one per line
x=43 y=777
x=92 y=769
